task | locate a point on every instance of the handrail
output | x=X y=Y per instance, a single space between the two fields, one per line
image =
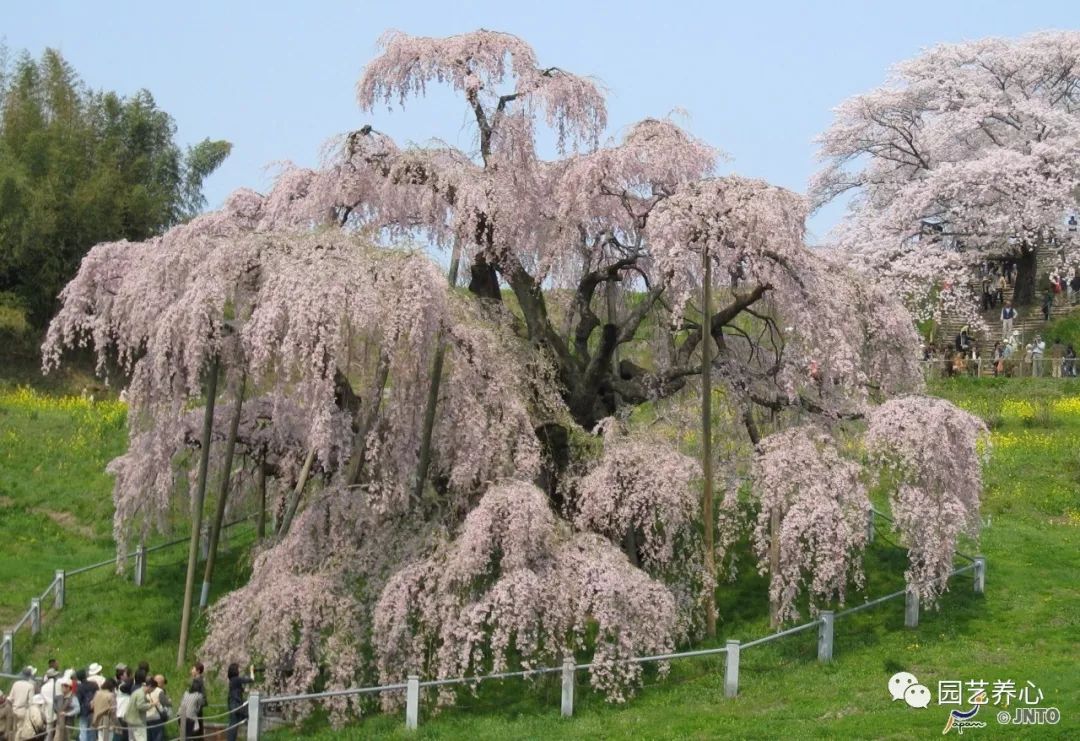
x=781 y=634
x=333 y=693
x=871 y=603
x=23 y=620
x=552 y=669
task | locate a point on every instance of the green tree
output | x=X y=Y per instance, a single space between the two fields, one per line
x=79 y=167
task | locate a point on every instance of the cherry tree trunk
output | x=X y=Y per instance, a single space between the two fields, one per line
x=356 y=464
x=1026 y=278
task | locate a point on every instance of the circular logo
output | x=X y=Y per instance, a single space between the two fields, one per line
x=1003 y=718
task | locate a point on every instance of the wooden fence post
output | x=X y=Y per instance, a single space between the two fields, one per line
x=35 y=616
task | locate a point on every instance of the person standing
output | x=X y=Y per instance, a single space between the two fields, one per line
x=125 y=685
x=137 y=708
x=238 y=712
x=198 y=672
x=84 y=693
x=33 y=724
x=7 y=719
x=67 y=712
x=1057 y=358
x=22 y=691
x=50 y=690
x=94 y=674
x=191 y=709
x=103 y=711
x=1038 y=349
x=158 y=714
x=1008 y=314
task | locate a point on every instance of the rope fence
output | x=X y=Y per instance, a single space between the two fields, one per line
x=74 y=730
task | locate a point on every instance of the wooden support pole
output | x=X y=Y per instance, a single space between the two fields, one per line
x=197 y=513
x=223 y=497
x=706 y=440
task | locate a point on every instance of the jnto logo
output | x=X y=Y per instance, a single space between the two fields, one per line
x=904 y=686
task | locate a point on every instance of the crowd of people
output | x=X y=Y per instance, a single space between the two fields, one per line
x=84 y=705
x=1011 y=356
x=997 y=277
x=1060 y=359
x=1007 y=358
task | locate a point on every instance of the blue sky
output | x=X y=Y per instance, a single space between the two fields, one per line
x=758 y=79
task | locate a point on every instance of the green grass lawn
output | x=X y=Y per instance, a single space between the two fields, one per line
x=56 y=513
x=1025 y=628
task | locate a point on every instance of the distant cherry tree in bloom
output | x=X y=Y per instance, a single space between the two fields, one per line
x=968 y=152
x=527 y=537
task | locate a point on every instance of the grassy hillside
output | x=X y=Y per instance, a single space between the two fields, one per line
x=55 y=511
